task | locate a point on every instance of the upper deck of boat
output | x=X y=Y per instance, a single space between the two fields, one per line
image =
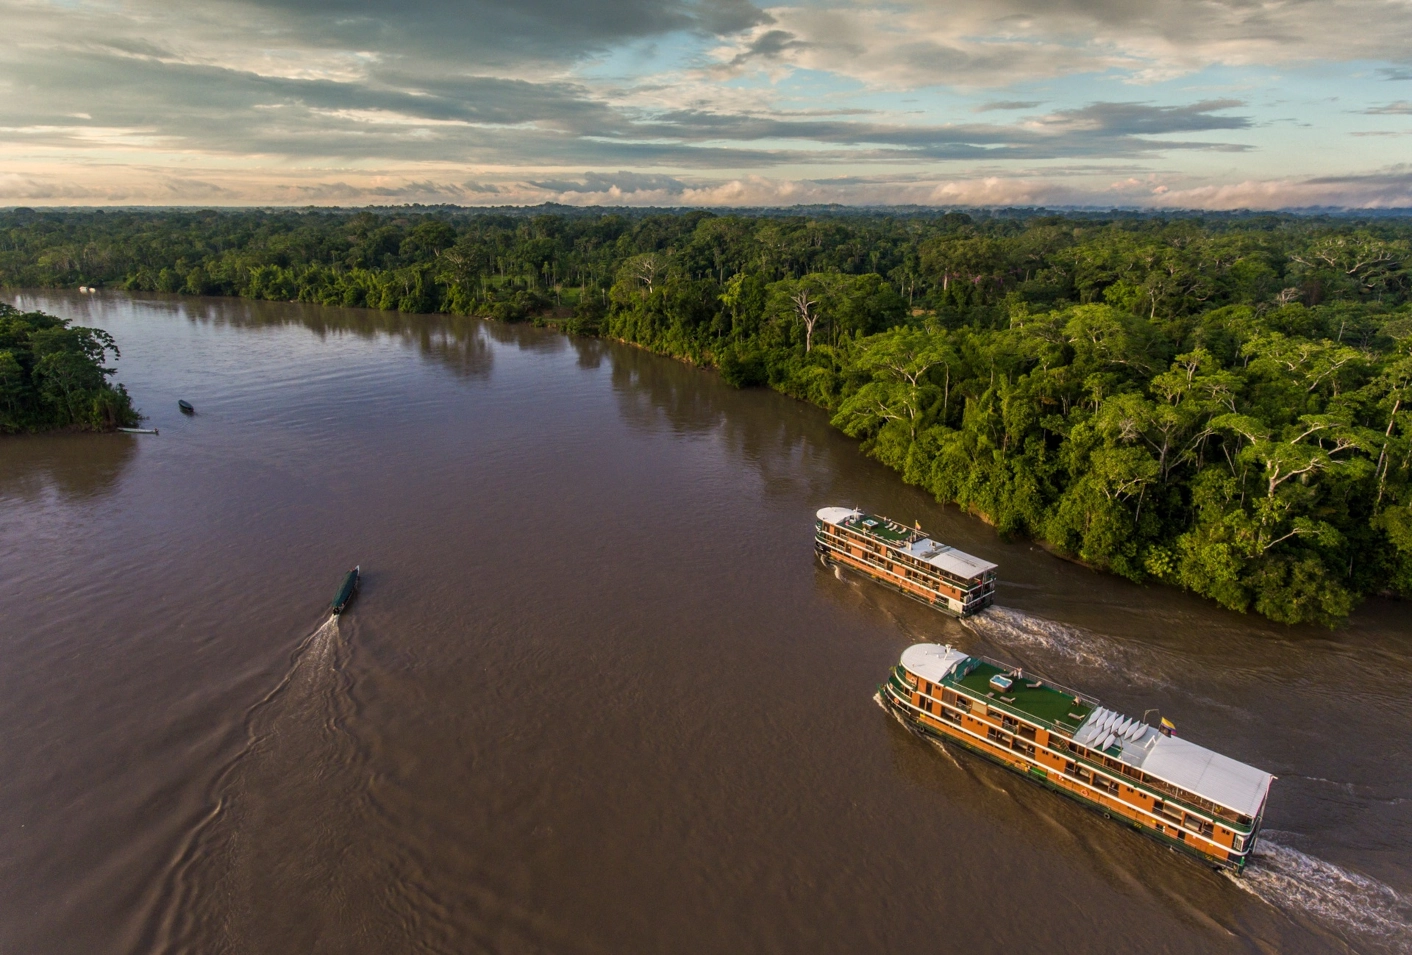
x=956 y=564
x=1105 y=734
x=1029 y=697
x=873 y=525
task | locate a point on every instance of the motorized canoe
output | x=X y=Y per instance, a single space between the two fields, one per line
x=138 y=430
x=346 y=590
x=185 y=406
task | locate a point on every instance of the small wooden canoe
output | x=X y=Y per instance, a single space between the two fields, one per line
x=346 y=590
x=185 y=406
x=138 y=430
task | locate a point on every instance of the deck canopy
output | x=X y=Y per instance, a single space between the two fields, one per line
x=931 y=661
x=1184 y=764
x=837 y=515
x=956 y=563
x=1218 y=778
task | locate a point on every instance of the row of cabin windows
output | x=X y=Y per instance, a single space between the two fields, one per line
x=1082 y=773
x=1173 y=813
x=1152 y=782
x=853 y=537
x=1014 y=735
x=1011 y=725
x=923 y=573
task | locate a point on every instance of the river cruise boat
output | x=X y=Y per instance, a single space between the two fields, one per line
x=905 y=559
x=1184 y=795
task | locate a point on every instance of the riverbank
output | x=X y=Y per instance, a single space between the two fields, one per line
x=1044 y=430
x=52 y=377
x=589 y=570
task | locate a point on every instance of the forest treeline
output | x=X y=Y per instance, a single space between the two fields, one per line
x=52 y=376
x=1219 y=403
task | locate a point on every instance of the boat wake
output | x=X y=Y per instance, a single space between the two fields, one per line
x=245 y=852
x=1011 y=628
x=1365 y=910
x=936 y=743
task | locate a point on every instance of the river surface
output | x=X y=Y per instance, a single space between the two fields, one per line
x=595 y=696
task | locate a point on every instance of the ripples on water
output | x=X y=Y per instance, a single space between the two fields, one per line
x=1013 y=628
x=1279 y=874
x=600 y=698
x=221 y=885
x=1366 y=909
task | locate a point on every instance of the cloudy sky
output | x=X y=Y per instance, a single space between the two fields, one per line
x=1186 y=103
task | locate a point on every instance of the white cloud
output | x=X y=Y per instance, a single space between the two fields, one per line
x=985 y=43
x=481 y=101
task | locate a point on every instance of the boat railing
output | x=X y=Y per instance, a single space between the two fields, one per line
x=896 y=679
x=1012 y=668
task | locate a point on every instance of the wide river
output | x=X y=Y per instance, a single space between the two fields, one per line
x=596 y=695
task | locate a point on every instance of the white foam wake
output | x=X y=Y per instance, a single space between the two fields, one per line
x=1014 y=628
x=1344 y=901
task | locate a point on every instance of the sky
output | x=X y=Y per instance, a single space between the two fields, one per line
x=1213 y=104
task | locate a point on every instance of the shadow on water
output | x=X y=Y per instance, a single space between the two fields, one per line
x=653 y=395
x=457 y=342
x=590 y=351
x=73 y=466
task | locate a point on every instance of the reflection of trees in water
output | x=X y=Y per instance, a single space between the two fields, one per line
x=459 y=344
x=591 y=351
x=456 y=341
x=76 y=466
x=655 y=392
x=787 y=443
x=526 y=337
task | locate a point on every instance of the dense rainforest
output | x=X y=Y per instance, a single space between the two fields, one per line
x=52 y=376
x=1222 y=403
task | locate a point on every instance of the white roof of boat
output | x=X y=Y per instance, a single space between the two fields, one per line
x=1185 y=764
x=949 y=559
x=931 y=661
x=955 y=562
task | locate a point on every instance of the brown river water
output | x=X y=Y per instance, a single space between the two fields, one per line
x=596 y=695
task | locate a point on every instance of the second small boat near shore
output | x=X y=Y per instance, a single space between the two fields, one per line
x=346 y=590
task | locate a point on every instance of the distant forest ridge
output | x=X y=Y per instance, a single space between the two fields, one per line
x=976 y=213
x=1222 y=402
